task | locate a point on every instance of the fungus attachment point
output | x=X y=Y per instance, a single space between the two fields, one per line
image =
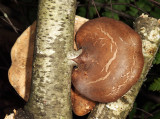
x=111 y=60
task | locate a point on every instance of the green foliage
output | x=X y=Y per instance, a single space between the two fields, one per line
x=155 y=12
x=128 y=7
x=155 y=86
x=157 y=58
x=81 y=11
x=92 y=11
x=147 y=111
x=133 y=112
x=110 y=15
x=132 y=11
x=119 y=7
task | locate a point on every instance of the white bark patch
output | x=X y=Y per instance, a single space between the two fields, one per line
x=117 y=107
x=55 y=30
x=154 y=35
x=147 y=48
x=61 y=39
x=47 y=52
x=99 y=111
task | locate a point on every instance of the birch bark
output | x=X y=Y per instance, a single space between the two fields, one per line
x=52 y=64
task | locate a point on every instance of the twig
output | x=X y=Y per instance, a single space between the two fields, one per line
x=9 y=21
x=120 y=13
x=155 y=2
x=129 y=5
x=93 y=2
x=113 y=10
x=144 y=111
x=111 y=7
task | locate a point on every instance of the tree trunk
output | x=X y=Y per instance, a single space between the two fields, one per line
x=148 y=28
x=52 y=64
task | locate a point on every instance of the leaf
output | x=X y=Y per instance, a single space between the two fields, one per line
x=147 y=8
x=110 y=15
x=157 y=58
x=140 y=4
x=92 y=12
x=155 y=13
x=133 y=112
x=156 y=106
x=133 y=11
x=155 y=86
x=119 y=7
x=82 y=11
x=147 y=106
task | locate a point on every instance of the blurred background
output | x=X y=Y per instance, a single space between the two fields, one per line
x=17 y=15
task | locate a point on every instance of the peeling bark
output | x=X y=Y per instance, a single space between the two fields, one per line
x=50 y=90
x=149 y=30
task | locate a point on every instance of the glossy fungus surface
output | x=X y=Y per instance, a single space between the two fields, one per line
x=111 y=60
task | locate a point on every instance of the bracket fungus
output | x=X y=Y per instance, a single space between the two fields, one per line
x=110 y=63
x=80 y=104
x=111 y=60
x=21 y=69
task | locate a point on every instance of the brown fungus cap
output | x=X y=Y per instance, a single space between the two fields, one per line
x=80 y=104
x=111 y=60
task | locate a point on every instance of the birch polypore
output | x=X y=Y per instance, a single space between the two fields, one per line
x=111 y=60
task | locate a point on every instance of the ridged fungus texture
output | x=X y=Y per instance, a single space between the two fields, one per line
x=111 y=61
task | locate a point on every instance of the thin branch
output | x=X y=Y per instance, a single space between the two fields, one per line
x=93 y=2
x=9 y=21
x=155 y=2
x=113 y=10
x=131 y=5
x=111 y=7
x=144 y=111
x=120 y=13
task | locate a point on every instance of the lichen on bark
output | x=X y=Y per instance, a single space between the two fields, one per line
x=149 y=30
x=52 y=66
